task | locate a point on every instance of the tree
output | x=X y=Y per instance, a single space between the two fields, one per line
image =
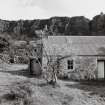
x=86 y=68
x=50 y=74
x=52 y=67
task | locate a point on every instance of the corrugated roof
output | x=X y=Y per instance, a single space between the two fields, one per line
x=77 y=45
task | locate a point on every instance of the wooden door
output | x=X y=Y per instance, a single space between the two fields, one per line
x=101 y=69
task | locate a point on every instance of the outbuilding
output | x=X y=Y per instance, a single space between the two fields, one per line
x=80 y=57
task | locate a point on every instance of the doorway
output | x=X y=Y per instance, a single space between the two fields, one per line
x=101 y=69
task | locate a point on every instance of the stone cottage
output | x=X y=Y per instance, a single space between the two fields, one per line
x=80 y=57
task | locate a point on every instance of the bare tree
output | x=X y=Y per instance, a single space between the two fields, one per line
x=52 y=68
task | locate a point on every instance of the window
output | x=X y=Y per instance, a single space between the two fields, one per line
x=35 y=50
x=70 y=64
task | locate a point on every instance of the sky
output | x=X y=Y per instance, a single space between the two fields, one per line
x=41 y=9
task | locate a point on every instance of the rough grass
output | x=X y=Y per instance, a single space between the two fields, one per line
x=20 y=90
x=19 y=93
x=37 y=92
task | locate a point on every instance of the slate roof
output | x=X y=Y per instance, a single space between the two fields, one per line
x=77 y=45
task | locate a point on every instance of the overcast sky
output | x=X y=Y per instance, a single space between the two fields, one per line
x=34 y=9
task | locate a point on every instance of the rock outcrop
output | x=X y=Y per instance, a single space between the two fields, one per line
x=97 y=25
x=79 y=25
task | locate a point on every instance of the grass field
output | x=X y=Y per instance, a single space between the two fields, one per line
x=19 y=89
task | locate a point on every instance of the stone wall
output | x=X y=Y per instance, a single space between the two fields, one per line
x=85 y=68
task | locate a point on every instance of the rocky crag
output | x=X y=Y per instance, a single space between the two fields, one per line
x=79 y=25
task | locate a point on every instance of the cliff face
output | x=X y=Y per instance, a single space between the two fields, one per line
x=54 y=26
x=97 y=25
x=78 y=26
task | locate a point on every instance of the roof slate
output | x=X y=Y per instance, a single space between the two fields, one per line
x=77 y=45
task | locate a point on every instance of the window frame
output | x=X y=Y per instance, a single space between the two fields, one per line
x=70 y=64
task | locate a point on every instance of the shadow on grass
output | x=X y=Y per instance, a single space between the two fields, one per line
x=23 y=72
x=43 y=84
x=20 y=93
x=93 y=87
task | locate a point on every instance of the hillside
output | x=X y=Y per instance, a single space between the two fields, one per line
x=78 y=25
